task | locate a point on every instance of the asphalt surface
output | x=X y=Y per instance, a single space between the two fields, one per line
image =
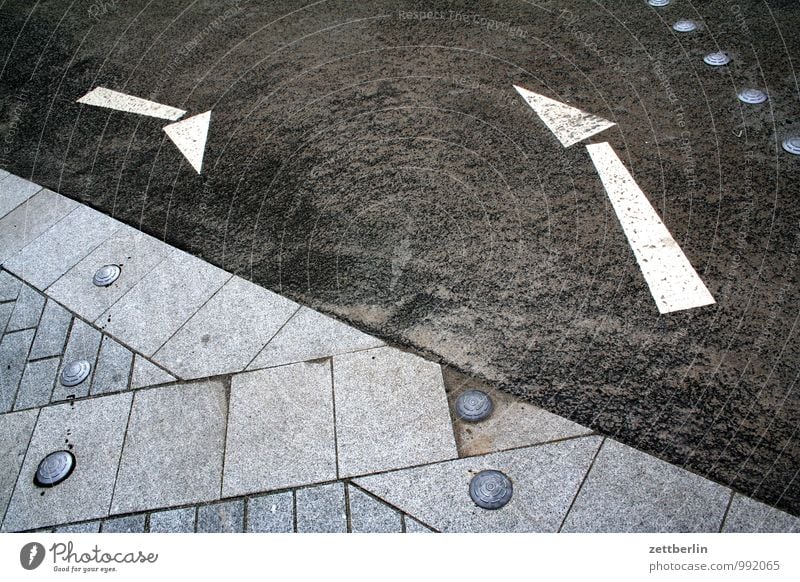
x=372 y=160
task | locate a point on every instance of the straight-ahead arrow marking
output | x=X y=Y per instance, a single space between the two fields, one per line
x=190 y=137
x=673 y=281
x=568 y=124
x=102 y=97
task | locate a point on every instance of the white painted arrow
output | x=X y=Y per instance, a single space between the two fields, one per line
x=190 y=137
x=568 y=124
x=673 y=282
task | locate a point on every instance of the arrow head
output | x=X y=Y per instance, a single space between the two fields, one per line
x=190 y=136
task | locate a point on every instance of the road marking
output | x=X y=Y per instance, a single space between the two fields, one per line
x=102 y=97
x=568 y=124
x=190 y=137
x=673 y=281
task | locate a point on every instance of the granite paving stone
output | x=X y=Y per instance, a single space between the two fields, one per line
x=630 y=491
x=30 y=220
x=368 y=515
x=83 y=344
x=27 y=309
x=173 y=520
x=14 y=191
x=4 y=174
x=321 y=509
x=135 y=252
x=85 y=527
x=391 y=412
x=747 y=515
x=271 y=513
x=5 y=315
x=113 y=367
x=36 y=386
x=413 y=526
x=173 y=448
x=145 y=373
x=545 y=479
x=156 y=307
x=9 y=286
x=57 y=250
x=51 y=334
x=227 y=332
x=281 y=430
x=227 y=517
x=311 y=335
x=93 y=430
x=15 y=434
x=127 y=524
x=14 y=349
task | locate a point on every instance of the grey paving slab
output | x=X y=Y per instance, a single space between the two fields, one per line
x=173 y=448
x=58 y=249
x=750 y=516
x=311 y=335
x=4 y=174
x=227 y=332
x=83 y=344
x=271 y=513
x=512 y=424
x=14 y=191
x=173 y=520
x=413 y=526
x=27 y=310
x=9 y=286
x=368 y=515
x=145 y=373
x=321 y=509
x=30 y=220
x=85 y=527
x=5 y=314
x=226 y=517
x=280 y=430
x=93 y=430
x=545 y=480
x=36 y=386
x=15 y=434
x=127 y=524
x=630 y=491
x=51 y=335
x=391 y=412
x=135 y=252
x=113 y=369
x=14 y=349
x=156 y=307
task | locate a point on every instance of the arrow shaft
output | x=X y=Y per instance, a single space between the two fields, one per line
x=102 y=97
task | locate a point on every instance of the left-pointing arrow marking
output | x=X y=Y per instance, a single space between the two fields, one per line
x=102 y=97
x=568 y=124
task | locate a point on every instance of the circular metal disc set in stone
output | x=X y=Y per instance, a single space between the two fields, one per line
x=685 y=26
x=75 y=372
x=106 y=275
x=491 y=489
x=752 y=96
x=474 y=406
x=54 y=468
x=717 y=59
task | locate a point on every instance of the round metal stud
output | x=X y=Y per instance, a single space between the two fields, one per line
x=752 y=96
x=54 y=468
x=716 y=59
x=490 y=489
x=474 y=406
x=792 y=145
x=75 y=372
x=106 y=275
x=658 y=3
x=685 y=26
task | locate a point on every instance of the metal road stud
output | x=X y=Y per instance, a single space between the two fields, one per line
x=658 y=3
x=490 y=489
x=54 y=469
x=474 y=406
x=106 y=275
x=75 y=372
x=717 y=59
x=685 y=25
x=792 y=145
x=752 y=96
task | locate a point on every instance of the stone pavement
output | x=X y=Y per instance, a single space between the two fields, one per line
x=213 y=405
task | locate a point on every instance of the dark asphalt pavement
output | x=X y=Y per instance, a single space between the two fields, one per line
x=372 y=160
